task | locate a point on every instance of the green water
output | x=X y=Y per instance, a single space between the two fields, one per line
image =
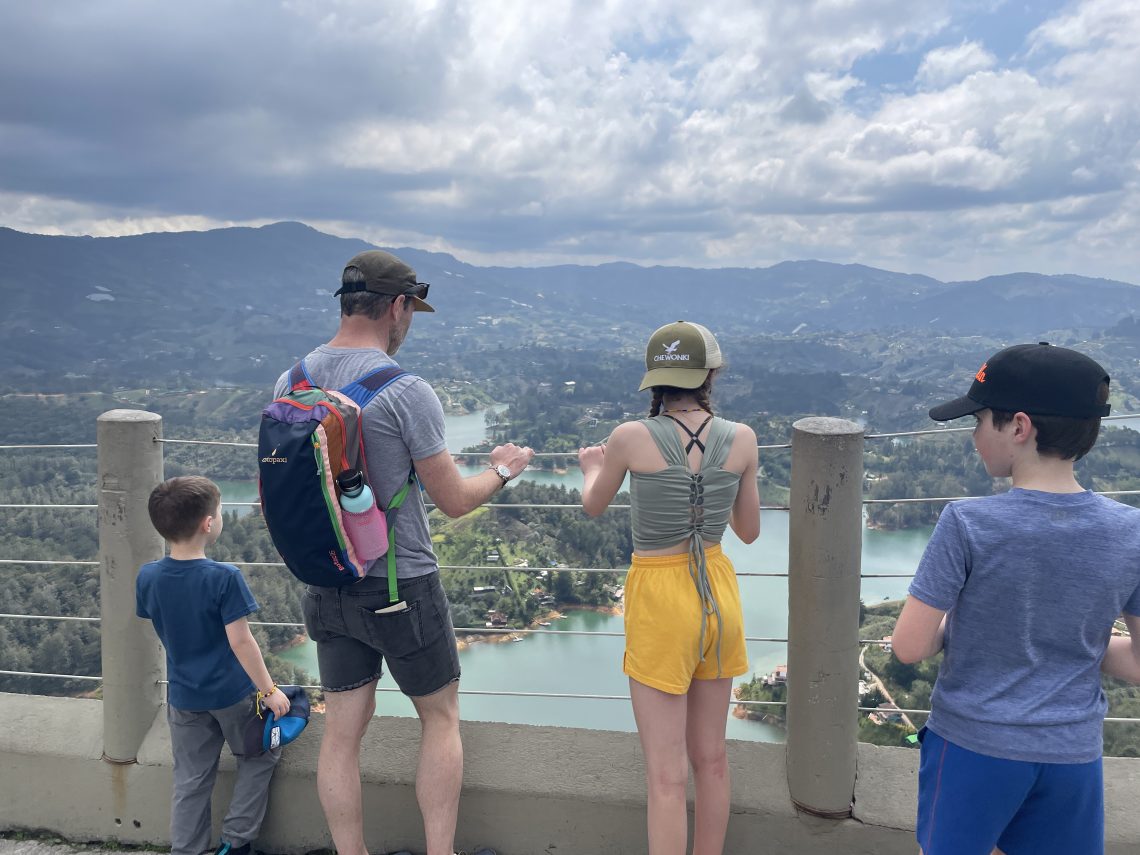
x=592 y=665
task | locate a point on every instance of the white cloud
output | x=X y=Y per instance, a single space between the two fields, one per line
x=946 y=65
x=44 y=215
x=655 y=131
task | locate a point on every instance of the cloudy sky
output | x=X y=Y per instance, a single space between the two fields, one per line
x=951 y=138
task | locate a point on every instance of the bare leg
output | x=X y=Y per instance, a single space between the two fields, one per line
x=704 y=737
x=439 y=775
x=660 y=720
x=347 y=715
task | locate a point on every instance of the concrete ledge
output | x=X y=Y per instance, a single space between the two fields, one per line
x=527 y=790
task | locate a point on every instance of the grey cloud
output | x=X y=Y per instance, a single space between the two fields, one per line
x=805 y=108
x=704 y=134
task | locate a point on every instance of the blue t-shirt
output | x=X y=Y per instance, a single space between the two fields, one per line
x=1032 y=583
x=190 y=603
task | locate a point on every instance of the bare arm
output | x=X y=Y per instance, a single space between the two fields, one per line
x=919 y=632
x=603 y=470
x=248 y=654
x=745 y=519
x=1122 y=659
x=455 y=495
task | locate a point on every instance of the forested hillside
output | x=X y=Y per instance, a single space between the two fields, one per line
x=525 y=548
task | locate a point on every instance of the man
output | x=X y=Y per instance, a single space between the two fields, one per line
x=403 y=427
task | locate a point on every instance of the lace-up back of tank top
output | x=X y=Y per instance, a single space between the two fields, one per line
x=674 y=503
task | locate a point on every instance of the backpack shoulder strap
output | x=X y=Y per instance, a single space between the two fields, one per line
x=299 y=377
x=364 y=389
x=390 y=513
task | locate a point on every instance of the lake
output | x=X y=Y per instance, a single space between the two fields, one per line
x=592 y=665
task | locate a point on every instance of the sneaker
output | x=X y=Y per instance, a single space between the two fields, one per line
x=227 y=849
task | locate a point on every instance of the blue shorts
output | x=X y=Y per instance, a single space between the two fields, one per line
x=968 y=803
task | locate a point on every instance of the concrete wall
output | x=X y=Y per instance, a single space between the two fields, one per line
x=527 y=790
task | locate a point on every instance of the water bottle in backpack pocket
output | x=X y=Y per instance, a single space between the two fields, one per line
x=364 y=523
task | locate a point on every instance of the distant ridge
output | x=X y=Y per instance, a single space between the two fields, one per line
x=235 y=304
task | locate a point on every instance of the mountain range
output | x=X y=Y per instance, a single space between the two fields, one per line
x=234 y=305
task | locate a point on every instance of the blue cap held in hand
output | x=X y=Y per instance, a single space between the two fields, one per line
x=266 y=732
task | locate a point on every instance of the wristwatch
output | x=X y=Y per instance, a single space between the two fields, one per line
x=503 y=471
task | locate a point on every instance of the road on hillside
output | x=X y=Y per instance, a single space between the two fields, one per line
x=878 y=684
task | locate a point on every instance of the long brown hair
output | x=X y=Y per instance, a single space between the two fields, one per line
x=702 y=393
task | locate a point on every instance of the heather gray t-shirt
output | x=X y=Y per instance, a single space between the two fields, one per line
x=1032 y=583
x=402 y=424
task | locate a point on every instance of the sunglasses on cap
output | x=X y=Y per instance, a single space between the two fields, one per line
x=419 y=289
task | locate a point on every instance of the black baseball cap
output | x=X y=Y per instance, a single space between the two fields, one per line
x=1037 y=379
x=385 y=274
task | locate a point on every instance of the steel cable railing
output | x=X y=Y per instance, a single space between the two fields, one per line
x=556 y=454
x=41 y=674
x=504 y=630
x=469 y=567
x=459 y=630
x=43 y=561
x=554 y=695
x=570 y=506
x=52 y=617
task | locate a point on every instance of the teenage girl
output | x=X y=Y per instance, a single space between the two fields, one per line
x=691 y=474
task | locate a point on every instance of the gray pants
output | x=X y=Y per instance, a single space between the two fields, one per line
x=196 y=739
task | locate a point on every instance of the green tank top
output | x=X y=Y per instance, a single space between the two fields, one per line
x=662 y=514
x=674 y=503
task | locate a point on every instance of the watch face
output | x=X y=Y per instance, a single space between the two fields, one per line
x=504 y=471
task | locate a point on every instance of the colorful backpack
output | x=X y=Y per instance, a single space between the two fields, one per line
x=308 y=437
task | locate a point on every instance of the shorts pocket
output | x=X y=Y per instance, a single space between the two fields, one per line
x=311 y=615
x=395 y=634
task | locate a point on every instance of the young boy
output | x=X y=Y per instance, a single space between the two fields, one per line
x=1021 y=590
x=214 y=667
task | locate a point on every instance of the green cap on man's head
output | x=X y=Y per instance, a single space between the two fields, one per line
x=383 y=273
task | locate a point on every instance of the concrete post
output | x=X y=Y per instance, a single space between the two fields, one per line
x=824 y=558
x=130 y=466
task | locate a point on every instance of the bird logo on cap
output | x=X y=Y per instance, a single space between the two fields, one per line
x=672 y=348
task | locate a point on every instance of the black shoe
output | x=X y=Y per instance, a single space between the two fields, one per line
x=226 y=849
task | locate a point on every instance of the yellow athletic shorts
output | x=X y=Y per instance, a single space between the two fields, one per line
x=663 y=643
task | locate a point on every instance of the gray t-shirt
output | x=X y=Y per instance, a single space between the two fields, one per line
x=402 y=424
x=1032 y=583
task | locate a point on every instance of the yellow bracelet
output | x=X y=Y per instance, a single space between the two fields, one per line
x=261 y=696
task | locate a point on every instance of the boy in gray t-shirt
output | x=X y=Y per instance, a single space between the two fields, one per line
x=1021 y=590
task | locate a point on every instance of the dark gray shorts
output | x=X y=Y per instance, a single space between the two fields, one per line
x=352 y=640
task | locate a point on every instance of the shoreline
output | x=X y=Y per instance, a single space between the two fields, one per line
x=508 y=634
x=745 y=713
x=502 y=636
